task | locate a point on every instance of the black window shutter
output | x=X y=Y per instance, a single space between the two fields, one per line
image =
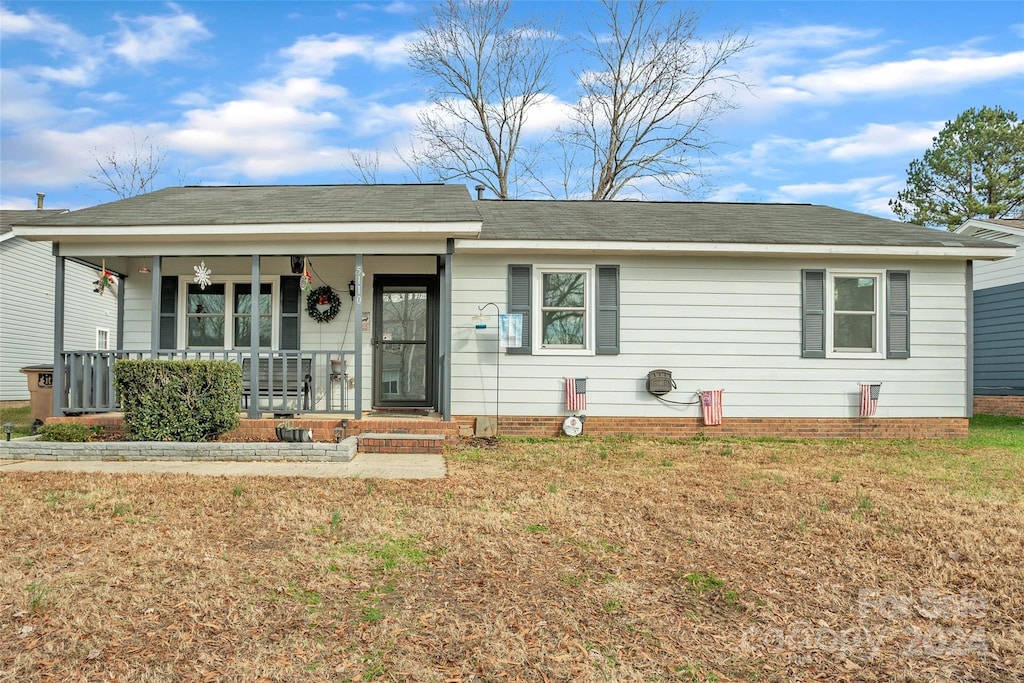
x=898 y=314
x=813 y=314
x=519 y=283
x=607 y=296
x=290 y=310
x=169 y=312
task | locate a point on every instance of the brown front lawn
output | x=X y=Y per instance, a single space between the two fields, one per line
x=585 y=560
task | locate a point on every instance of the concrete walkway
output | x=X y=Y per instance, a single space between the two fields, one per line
x=364 y=465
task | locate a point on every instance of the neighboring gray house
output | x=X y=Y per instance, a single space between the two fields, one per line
x=999 y=317
x=26 y=305
x=788 y=308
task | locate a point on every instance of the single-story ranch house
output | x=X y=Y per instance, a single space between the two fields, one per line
x=804 y=320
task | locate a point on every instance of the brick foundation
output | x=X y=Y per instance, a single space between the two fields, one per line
x=999 y=405
x=781 y=427
x=323 y=429
x=680 y=427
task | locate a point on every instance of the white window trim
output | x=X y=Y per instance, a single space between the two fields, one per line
x=229 y=295
x=106 y=332
x=880 y=313
x=537 y=313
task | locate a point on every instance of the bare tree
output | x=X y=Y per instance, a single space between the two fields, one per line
x=485 y=75
x=367 y=165
x=647 y=103
x=129 y=173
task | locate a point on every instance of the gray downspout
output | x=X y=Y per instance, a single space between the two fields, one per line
x=358 y=313
x=155 y=307
x=254 y=340
x=58 y=333
x=969 y=292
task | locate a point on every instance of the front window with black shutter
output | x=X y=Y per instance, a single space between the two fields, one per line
x=566 y=310
x=855 y=314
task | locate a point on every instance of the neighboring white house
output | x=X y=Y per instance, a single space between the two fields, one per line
x=26 y=305
x=999 y=318
x=787 y=308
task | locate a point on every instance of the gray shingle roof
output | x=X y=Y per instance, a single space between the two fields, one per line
x=10 y=217
x=270 y=204
x=584 y=221
x=630 y=221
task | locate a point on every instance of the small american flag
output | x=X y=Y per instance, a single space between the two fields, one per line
x=711 y=406
x=869 y=399
x=575 y=394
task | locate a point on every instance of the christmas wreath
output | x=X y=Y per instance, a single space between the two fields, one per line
x=323 y=304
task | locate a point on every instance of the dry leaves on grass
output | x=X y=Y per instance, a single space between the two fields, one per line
x=603 y=559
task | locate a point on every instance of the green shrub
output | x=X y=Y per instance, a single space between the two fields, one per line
x=65 y=431
x=178 y=400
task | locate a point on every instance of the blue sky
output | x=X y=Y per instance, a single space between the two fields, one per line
x=843 y=94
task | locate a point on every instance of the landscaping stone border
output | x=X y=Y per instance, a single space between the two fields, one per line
x=31 y=448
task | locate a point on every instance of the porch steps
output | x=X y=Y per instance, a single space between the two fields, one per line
x=394 y=442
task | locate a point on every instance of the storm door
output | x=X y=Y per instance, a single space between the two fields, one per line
x=404 y=340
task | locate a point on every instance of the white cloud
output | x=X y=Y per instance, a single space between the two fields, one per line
x=153 y=38
x=54 y=158
x=808 y=36
x=812 y=192
x=276 y=128
x=296 y=91
x=766 y=157
x=737 y=192
x=877 y=140
x=42 y=28
x=400 y=8
x=62 y=41
x=902 y=77
x=319 y=55
x=23 y=102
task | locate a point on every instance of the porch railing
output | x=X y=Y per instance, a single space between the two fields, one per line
x=291 y=382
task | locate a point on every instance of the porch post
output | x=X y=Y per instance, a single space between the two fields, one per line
x=254 y=340
x=155 y=307
x=58 y=333
x=358 y=313
x=119 y=337
x=446 y=331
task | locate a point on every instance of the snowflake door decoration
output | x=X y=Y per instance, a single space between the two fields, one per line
x=203 y=274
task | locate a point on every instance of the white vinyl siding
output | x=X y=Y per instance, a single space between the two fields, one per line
x=716 y=323
x=26 y=311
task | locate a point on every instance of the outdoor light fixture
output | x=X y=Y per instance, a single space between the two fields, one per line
x=352 y=288
x=8 y=428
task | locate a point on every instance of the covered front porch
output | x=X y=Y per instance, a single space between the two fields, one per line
x=334 y=300
x=320 y=346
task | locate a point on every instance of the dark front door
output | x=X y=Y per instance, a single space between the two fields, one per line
x=404 y=340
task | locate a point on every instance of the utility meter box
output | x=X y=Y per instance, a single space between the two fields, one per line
x=40 y=391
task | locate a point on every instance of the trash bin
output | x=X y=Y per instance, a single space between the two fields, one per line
x=40 y=389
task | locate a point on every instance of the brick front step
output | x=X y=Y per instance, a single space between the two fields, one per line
x=379 y=442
